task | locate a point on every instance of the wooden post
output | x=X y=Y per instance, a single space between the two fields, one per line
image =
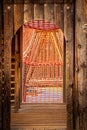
x=18 y=16
x=1 y=56
x=18 y=22
x=69 y=40
x=17 y=81
x=81 y=66
x=8 y=34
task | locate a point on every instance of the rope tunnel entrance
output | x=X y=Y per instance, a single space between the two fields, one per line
x=42 y=63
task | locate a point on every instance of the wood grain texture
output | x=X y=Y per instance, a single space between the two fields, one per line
x=28 y=12
x=59 y=15
x=8 y=34
x=81 y=66
x=38 y=11
x=49 y=13
x=40 y=116
x=17 y=81
x=1 y=56
x=18 y=16
x=85 y=7
x=69 y=40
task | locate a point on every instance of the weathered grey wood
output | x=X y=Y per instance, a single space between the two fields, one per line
x=49 y=13
x=18 y=16
x=8 y=34
x=81 y=66
x=38 y=11
x=28 y=12
x=69 y=40
x=59 y=15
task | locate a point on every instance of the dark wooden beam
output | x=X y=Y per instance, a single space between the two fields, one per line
x=69 y=41
x=8 y=34
x=38 y=1
x=48 y=1
x=1 y=56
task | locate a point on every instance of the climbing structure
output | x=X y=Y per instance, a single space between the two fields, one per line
x=42 y=70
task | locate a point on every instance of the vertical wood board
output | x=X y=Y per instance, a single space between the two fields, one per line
x=18 y=16
x=1 y=55
x=69 y=41
x=81 y=65
x=28 y=12
x=49 y=13
x=8 y=34
x=38 y=11
x=59 y=15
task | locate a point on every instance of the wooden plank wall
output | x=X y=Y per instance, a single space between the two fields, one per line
x=81 y=66
x=55 y=15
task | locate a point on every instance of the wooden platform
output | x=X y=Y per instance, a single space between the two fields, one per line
x=39 y=117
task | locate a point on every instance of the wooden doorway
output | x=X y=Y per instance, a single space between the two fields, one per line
x=52 y=68
x=53 y=12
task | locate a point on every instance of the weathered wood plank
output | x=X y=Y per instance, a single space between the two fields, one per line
x=8 y=34
x=81 y=66
x=18 y=16
x=69 y=37
x=28 y=12
x=49 y=13
x=38 y=11
x=59 y=15
x=1 y=55
x=40 y=116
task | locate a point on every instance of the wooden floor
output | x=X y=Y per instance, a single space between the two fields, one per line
x=39 y=117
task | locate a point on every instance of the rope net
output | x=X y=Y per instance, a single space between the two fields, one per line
x=42 y=59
